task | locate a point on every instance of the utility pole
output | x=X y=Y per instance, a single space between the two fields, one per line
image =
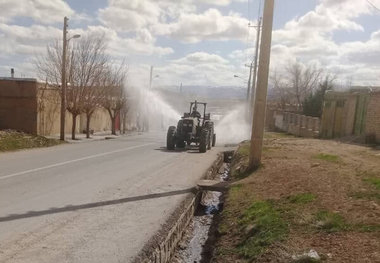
x=249 y=80
x=262 y=88
x=255 y=65
x=63 y=81
x=151 y=77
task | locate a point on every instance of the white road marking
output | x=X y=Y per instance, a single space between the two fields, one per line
x=73 y=161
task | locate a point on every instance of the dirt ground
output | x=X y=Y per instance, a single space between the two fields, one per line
x=322 y=195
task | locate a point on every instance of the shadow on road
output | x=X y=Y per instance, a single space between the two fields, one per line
x=92 y=205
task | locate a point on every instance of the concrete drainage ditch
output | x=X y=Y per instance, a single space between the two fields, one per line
x=190 y=237
x=197 y=243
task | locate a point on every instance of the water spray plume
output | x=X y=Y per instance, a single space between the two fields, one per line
x=152 y=111
x=233 y=127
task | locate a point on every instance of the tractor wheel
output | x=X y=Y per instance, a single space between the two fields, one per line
x=170 y=138
x=210 y=127
x=209 y=140
x=181 y=144
x=213 y=140
x=203 y=141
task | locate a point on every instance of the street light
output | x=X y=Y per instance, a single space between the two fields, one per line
x=74 y=36
x=237 y=76
x=63 y=82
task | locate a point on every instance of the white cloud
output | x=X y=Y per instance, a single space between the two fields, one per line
x=143 y=43
x=26 y=40
x=129 y=15
x=201 y=58
x=310 y=38
x=199 y=68
x=210 y=25
x=40 y=10
x=177 y=19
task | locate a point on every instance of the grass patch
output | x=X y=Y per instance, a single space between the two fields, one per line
x=328 y=157
x=244 y=149
x=368 y=195
x=331 y=222
x=367 y=228
x=374 y=181
x=12 y=140
x=261 y=226
x=234 y=192
x=239 y=168
x=303 y=198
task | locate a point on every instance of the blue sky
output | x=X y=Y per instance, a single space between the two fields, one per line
x=200 y=42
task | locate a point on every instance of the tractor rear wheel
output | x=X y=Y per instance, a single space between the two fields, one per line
x=170 y=138
x=203 y=141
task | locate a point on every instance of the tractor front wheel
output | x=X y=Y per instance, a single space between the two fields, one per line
x=170 y=138
x=203 y=141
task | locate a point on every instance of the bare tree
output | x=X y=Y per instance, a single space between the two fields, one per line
x=281 y=90
x=296 y=84
x=302 y=80
x=86 y=63
x=115 y=98
x=90 y=66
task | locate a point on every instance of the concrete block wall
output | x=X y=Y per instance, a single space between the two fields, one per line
x=372 y=122
x=297 y=124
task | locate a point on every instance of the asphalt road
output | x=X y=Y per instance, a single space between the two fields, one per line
x=91 y=202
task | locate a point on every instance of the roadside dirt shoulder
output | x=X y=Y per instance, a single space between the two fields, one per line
x=312 y=200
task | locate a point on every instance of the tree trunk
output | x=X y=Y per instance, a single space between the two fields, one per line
x=88 y=119
x=74 y=127
x=124 y=121
x=113 y=123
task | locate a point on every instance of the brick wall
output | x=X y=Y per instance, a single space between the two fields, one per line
x=33 y=107
x=18 y=105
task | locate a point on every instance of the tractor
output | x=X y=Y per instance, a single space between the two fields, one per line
x=193 y=127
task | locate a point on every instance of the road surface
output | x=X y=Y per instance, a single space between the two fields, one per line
x=91 y=202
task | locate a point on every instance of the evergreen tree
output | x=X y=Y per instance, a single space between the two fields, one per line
x=313 y=104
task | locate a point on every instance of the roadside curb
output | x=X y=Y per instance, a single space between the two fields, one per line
x=162 y=245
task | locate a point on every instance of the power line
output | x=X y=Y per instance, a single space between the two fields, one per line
x=369 y=2
x=259 y=11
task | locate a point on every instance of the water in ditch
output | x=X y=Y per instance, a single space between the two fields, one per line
x=196 y=246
